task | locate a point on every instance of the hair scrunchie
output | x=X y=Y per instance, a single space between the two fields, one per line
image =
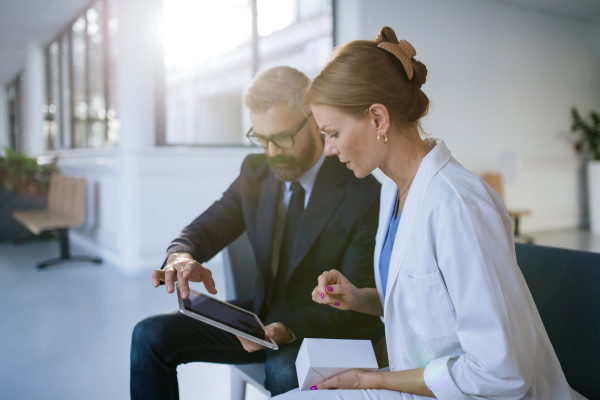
x=403 y=52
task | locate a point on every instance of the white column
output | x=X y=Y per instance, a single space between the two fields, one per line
x=4 y=136
x=33 y=100
x=136 y=75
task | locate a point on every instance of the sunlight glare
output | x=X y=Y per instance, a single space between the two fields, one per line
x=196 y=31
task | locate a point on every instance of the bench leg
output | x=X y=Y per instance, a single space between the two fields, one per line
x=65 y=253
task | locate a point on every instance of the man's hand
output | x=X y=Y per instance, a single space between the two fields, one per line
x=183 y=268
x=277 y=331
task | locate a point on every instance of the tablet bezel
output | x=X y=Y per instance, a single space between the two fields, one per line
x=270 y=344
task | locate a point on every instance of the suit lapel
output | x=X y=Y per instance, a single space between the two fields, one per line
x=270 y=192
x=326 y=196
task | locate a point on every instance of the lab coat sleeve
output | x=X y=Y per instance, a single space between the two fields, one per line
x=475 y=254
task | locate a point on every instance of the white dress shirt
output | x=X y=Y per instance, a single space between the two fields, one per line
x=307 y=182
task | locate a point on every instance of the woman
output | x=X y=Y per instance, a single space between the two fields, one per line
x=460 y=321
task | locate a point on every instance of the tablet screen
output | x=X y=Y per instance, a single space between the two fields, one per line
x=224 y=314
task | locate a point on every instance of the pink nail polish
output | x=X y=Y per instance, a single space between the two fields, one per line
x=322 y=295
x=313 y=387
x=329 y=289
x=336 y=304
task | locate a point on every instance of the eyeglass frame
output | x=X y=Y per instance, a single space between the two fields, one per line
x=272 y=138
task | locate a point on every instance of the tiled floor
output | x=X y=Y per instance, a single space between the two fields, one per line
x=66 y=331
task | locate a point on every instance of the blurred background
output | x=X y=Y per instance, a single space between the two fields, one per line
x=143 y=99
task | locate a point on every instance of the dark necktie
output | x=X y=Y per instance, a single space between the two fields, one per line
x=292 y=221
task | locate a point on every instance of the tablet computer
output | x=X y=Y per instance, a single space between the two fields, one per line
x=225 y=316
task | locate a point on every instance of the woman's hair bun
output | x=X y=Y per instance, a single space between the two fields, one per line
x=387 y=34
x=420 y=74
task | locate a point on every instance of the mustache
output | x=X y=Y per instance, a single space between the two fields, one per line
x=279 y=159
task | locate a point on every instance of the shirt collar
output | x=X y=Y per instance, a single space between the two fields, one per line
x=307 y=181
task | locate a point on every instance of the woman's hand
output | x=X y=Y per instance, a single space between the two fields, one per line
x=337 y=291
x=352 y=379
x=407 y=381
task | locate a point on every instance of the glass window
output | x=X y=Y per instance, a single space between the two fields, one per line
x=52 y=105
x=79 y=82
x=96 y=78
x=209 y=67
x=15 y=112
x=80 y=105
x=113 y=123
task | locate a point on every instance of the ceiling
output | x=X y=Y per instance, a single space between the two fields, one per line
x=24 y=21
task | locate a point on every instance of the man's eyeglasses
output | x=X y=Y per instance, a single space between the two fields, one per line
x=282 y=140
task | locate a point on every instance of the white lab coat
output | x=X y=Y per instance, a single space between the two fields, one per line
x=456 y=302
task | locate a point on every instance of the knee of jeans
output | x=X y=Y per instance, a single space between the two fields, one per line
x=280 y=369
x=146 y=339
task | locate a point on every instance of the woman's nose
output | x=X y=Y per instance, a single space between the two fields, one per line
x=330 y=149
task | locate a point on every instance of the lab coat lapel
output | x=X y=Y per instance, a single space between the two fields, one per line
x=387 y=208
x=430 y=165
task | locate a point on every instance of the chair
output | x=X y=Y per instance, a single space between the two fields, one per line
x=564 y=286
x=66 y=209
x=240 y=269
x=495 y=181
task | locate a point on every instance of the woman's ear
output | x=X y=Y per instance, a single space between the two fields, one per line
x=380 y=117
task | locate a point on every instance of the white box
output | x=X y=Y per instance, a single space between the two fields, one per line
x=320 y=359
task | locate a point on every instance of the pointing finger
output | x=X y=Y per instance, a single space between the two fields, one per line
x=157 y=276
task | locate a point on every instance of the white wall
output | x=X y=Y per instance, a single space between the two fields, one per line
x=502 y=80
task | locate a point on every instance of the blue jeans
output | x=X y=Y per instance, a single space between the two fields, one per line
x=162 y=342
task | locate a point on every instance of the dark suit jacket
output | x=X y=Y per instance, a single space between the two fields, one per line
x=337 y=230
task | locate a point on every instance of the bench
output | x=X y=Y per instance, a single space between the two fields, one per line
x=564 y=286
x=66 y=209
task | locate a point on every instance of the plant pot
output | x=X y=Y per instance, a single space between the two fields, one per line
x=594 y=193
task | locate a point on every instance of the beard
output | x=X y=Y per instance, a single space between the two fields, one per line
x=289 y=168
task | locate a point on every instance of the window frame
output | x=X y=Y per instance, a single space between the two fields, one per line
x=160 y=96
x=66 y=86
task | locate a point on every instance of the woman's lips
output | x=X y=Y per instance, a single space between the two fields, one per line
x=348 y=165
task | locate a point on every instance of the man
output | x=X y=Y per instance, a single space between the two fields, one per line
x=304 y=214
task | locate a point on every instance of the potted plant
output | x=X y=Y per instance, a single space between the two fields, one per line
x=588 y=145
x=23 y=186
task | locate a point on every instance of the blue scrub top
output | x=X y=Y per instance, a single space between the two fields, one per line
x=388 y=246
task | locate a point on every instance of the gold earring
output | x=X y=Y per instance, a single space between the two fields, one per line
x=379 y=136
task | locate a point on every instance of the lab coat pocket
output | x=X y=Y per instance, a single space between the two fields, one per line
x=428 y=305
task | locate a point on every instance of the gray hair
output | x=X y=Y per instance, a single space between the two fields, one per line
x=276 y=86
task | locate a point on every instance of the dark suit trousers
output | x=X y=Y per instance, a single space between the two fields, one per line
x=162 y=342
